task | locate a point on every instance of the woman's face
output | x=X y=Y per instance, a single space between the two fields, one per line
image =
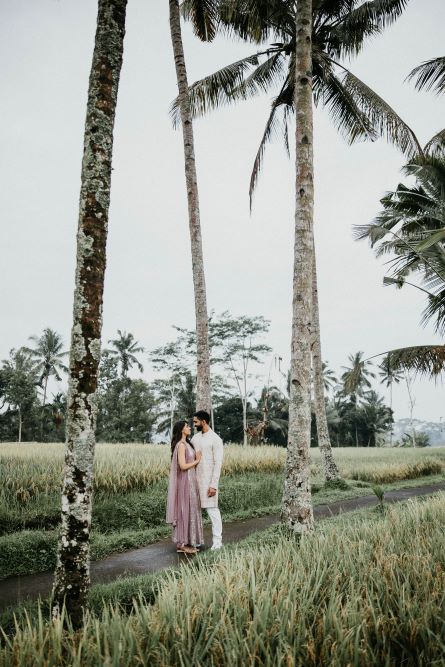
x=186 y=431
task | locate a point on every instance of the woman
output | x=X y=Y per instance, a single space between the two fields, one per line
x=183 y=504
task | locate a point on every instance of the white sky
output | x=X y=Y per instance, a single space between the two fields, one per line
x=45 y=57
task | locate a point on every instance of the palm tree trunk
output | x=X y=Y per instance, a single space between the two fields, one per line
x=411 y=408
x=330 y=469
x=245 y=438
x=390 y=405
x=72 y=575
x=20 y=425
x=43 y=407
x=203 y=393
x=297 y=502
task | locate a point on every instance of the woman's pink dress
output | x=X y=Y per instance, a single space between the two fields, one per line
x=183 y=503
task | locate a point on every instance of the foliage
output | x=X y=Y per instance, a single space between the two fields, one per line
x=126 y=412
x=19 y=380
x=416 y=439
x=229 y=420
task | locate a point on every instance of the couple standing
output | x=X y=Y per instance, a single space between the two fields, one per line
x=194 y=477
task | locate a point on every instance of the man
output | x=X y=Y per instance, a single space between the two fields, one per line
x=208 y=471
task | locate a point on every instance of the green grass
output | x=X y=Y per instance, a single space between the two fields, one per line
x=365 y=590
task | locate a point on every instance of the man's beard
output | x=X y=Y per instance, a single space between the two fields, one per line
x=199 y=428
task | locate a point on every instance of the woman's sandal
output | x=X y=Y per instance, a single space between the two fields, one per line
x=186 y=550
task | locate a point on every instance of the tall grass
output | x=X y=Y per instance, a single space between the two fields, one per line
x=31 y=469
x=355 y=592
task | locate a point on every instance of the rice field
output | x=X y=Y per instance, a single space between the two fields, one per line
x=364 y=591
x=31 y=469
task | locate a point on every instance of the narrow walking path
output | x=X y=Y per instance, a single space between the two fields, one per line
x=161 y=555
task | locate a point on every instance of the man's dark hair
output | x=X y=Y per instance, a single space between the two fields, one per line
x=203 y=416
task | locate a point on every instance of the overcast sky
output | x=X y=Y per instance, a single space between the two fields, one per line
x=45 y=57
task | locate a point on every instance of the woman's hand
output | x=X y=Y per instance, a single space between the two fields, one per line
x=198 y=457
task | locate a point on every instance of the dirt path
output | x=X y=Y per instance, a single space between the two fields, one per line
x=161 y=555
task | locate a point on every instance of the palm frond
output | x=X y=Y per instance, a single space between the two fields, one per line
x=368 y=19
x=436 y=145
x=430 y=74
x=373 y=231
x=348 y=118
x=271 y=126
x=426 y=360
x=435 y=310
x=265 y=75
x=217 y=89
x=431 y=240
x=381 y=116
x=256 y=20
x=203 y=16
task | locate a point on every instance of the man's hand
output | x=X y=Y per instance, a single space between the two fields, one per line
x=211 y=492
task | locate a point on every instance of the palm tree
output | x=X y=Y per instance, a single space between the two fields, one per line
x=389 y=377
x=201 y=13
x=125 y=349
x=430 y=75
x=48 y=354
x=356 y=376
x=356 y=380
x=337 y=31
x=72 y=575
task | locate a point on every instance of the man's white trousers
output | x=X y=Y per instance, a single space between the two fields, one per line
x=215 y=518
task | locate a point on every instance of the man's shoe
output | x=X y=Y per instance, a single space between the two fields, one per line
x=215 y=547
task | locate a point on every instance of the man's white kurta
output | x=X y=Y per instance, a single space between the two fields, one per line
x=209 y=469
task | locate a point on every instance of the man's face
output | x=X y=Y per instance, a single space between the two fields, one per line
x=197 y=423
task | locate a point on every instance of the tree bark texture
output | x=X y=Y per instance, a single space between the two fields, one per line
x=297 y=510
x=203 y=392
x=330 y=470
x=72 y=575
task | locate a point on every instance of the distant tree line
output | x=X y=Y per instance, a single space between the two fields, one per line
x=247 y=407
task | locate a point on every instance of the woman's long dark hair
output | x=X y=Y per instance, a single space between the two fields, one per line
x=177 y=434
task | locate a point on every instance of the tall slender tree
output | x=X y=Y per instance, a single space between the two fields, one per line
x=356 y=380
x=330 y=469
x=202 y=20
x=72 y=575
x=389 y=377
x=297 y=509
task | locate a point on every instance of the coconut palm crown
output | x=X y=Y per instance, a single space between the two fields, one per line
x=340 y=29
x=411 y=227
